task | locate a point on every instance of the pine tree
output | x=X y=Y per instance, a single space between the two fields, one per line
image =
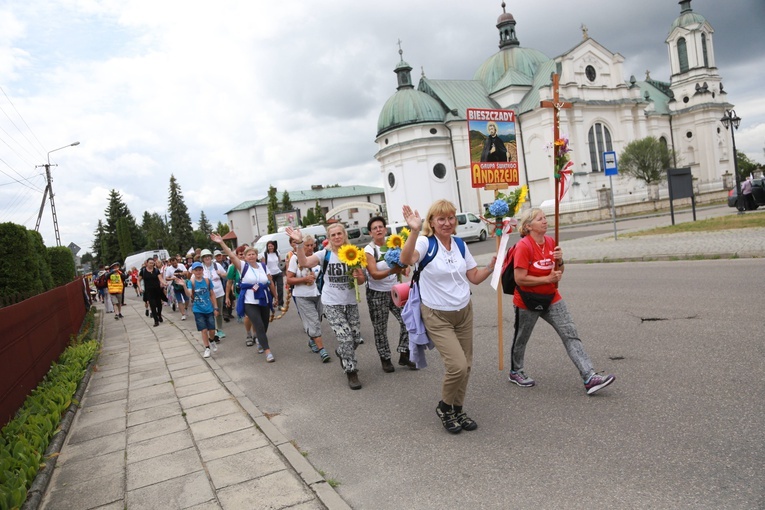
x=155 y=229
x=115 y=210
x=97 y=246
x=181 y=232
x=273 y=208
x=123 y=237
x=204 y=225
x=318 y=214
x=286 y=202
x=222 y=228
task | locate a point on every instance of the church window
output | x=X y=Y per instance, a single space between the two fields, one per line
x=391 y=179
x=599 y=140
x=433 y=131
x=689 y=135
x=682 y=54
x=439 y=171
x=686 y=99
x=704 y=49
x=589 y=71
x=663 y=141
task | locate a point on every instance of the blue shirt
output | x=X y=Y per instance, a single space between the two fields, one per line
x=202 y=298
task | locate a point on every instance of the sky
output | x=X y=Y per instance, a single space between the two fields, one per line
x=234 y=96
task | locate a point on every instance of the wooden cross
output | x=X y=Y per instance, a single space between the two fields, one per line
x=557 y=106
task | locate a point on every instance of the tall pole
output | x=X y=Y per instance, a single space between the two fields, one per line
x=49 y=192
x=731 y=121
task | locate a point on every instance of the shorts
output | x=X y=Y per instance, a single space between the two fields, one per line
x=116 y=298
x=180 y=296
x=204 y=321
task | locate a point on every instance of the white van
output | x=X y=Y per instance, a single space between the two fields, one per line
x=470 y=227
x=136 y=260
x=283 y=241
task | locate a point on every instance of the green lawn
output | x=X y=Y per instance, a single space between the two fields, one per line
x=748 y=220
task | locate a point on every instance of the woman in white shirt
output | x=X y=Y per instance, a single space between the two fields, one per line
x=337 y=296
x=271 y=258
x=308 y=298
x=254 y=284
x=447 y=311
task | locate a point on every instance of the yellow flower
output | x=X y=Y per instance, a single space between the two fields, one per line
x=560 y=142
x=395 y=241
x=521 y=199
x=405 y=233
x=351 y=256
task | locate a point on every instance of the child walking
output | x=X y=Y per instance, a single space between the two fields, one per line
x=199 y=289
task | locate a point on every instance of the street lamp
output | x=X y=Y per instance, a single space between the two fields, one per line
x=731 y=119
x=49 y=190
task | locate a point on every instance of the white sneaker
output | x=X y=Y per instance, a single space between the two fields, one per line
x=260 y=347
x=214 y=346
x=183 y=317
x=207 y=353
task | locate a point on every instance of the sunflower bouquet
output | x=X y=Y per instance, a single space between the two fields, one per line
x=353 y=258
x=394 y=244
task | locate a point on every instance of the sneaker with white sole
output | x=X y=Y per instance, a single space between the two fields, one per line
x=183 y=317
x=521 y=379
x=270 y=358
x=597 y=382
x=220 y=334
x=260 y=347
x=214 y=346
x=206 y=353
x=312 y=345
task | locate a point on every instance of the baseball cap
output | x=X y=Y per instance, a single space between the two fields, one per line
x=196 y=265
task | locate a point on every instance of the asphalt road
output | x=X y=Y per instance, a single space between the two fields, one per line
x=680 y=428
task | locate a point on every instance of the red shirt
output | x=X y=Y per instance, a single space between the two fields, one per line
x=538 y=262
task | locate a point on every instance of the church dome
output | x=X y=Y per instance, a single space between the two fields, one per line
x=409 y=106
x=687 y=17
x=510 y=59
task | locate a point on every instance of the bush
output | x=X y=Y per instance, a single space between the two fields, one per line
x=15 y=253
x=40 y=261
x=24 y=440
x=61 y=265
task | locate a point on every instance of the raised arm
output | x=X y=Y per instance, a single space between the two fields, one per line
x=216 y=238
x=304 y=261
x=408 y=253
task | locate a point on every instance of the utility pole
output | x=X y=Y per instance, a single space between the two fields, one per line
x=49 y=192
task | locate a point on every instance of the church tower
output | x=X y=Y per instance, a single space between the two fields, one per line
x=698 y=100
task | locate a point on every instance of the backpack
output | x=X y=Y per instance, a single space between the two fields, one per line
x=324 y=263
x=101 y=282
x=193 y=291
x=508 y=272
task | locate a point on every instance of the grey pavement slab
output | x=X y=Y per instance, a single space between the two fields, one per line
x=90 y=414
x=212 y=410
x=93 y=448
x=240 y=467
x=220 y=425
x=232 y=443
x=158 y=446
x=161 y=468
x=155 y=413
x=207 y=397
x=105 y=428
x=279 y=490
x=156 y=428
x=93 y=493
x=187 y=491
x=103 y=398
x=207 y=378
x=86 y=469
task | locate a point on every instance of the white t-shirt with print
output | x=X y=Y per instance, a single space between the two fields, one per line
x=301 y=289
x=211 y=273
x=387 y=283
x=338 y=289
x=443 y=283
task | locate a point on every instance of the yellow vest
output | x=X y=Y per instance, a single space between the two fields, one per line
x=115 y=283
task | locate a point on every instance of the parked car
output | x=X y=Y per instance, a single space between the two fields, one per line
x=358 y=236
x=758 y=193
x=470 y=227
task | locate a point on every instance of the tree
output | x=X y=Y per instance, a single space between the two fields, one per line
x=116 y=210
x=222 y=228
x=286 y=202
x=318 y=214
x=646 y=160
x=204 y=224
x=181 y=231
x=309 y=218
x=202 y=234
x=746 y=166
x=98 y=245
x=123 y=237
x=155 y=229
x=273 y=208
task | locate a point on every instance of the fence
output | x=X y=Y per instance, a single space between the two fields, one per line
x=36 y=332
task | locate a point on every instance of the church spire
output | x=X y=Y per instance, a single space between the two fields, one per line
x=506 y=26
x=403 y=71
x=685 y=6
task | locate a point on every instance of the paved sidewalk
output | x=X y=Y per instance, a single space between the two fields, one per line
x=161 y=427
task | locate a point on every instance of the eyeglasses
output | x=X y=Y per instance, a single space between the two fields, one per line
x=442 y=220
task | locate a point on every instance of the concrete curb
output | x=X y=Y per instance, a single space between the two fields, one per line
x=659 y=258
x=36 y=491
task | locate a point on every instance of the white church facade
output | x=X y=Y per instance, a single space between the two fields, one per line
x=422 y=135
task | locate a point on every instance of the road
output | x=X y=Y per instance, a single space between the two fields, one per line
x=680 y=428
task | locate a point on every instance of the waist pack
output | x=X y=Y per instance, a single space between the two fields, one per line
x=536 y=302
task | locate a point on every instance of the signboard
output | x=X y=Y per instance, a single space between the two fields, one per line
x=493 y=150
x=287 y=219
x=609 y=163
x=74 y=248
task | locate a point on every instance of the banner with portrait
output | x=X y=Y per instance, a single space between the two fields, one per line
x=493 y=148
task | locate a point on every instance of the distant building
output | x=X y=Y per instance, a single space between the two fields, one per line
x=351 y=205
x=422 y=137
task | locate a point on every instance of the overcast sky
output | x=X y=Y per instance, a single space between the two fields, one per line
x=234 y=96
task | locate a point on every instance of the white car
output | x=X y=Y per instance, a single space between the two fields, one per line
x=470 y=227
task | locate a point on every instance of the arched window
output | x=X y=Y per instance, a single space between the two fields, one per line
x=599 y=140
x=682 y=54
x=704 y=49
x=663 y=141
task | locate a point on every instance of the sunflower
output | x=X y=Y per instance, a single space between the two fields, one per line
x=351 y=256
x=405 y=233
x=395 y=241
x=521 y=199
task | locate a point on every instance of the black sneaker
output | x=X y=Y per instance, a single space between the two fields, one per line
x=353 y=380
x=147 y=313
x=387 y=366
x=448 y=420
x=465 y=422
x=403 y=361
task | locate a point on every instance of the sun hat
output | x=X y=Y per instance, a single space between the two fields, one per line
x=205 y=252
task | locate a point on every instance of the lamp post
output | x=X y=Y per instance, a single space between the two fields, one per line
x=49 y=190
x=730 y=119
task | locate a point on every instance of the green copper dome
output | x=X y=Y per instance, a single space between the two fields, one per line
x=510 y=59
x=409 y=106
x=687 y=17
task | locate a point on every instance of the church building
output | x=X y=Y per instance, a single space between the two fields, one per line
x=422 y=133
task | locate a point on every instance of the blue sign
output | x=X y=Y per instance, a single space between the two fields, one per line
x=609 y=163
